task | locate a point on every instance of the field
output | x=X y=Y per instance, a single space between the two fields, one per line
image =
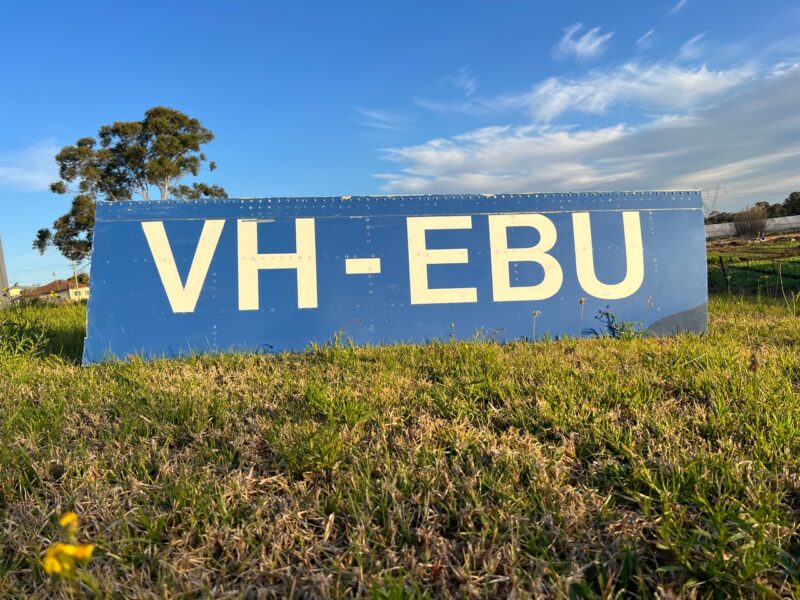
x=572 y=468
x=764 y=269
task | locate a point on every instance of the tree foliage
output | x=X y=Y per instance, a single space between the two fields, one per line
x=770 y=210
x=129 y=160
x=789 y=207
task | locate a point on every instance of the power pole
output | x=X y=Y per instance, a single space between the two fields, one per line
x=709 y=208
x=3 y=272
x=714 y=201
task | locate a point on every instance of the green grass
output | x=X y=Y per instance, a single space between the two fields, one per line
x=761 y=269
x=773 y=279
x=592 y=468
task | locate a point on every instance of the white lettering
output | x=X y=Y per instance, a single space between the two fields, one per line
x=304 y=260
x=182 y=299
x=419 y=257
x=502 y=255
x=584 y=257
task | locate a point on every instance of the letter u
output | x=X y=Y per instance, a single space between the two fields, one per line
x=584 y=258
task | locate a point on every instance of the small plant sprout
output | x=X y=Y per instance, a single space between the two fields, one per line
x=536 y=313
x=65 y=560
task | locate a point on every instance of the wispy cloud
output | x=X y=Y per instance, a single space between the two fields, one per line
x=471 y=106
x=584 y=47
x=729 y=142
x=30 y=169
x=660 y=86
x=653 y=86
x=646 y=40
x=382 y=119
x=464 y=79
x=692 y=49
x=679 y=6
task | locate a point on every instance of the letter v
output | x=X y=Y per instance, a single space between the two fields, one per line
x=182 y=299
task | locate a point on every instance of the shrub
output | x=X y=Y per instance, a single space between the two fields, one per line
x=751 y=221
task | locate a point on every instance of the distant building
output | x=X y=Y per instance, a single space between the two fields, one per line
x=60 y=289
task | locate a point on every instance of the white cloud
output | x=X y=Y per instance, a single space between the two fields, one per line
x=658 y=86
x=589 y=45
x=646 y=40
x=381 y=119
x=692 y=49
x=30 y=169
x=678 y=7
x=465 y=80
x=471 y=106
x=747 y=143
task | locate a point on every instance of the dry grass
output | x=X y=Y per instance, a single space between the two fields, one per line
x=594 y=468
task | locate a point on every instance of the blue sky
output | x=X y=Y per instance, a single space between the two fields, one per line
x=324 y=98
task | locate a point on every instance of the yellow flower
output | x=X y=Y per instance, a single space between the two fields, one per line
x=58 y=558
x=83 y=551
x=52 y=565
x=68 y=519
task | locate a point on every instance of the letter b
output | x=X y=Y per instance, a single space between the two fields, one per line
x=502 y=256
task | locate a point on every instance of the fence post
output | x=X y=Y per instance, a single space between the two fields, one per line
x=725 y=275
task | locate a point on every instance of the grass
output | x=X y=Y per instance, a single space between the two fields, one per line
x=763 y=269
x=574 y=468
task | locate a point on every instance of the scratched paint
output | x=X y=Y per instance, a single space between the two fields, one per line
x=174 y=278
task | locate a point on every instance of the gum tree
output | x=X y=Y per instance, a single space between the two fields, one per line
x=129 y=160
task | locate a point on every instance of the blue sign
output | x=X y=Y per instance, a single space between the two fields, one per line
x=176 y=277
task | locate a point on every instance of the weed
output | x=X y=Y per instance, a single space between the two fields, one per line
x=613 y=327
